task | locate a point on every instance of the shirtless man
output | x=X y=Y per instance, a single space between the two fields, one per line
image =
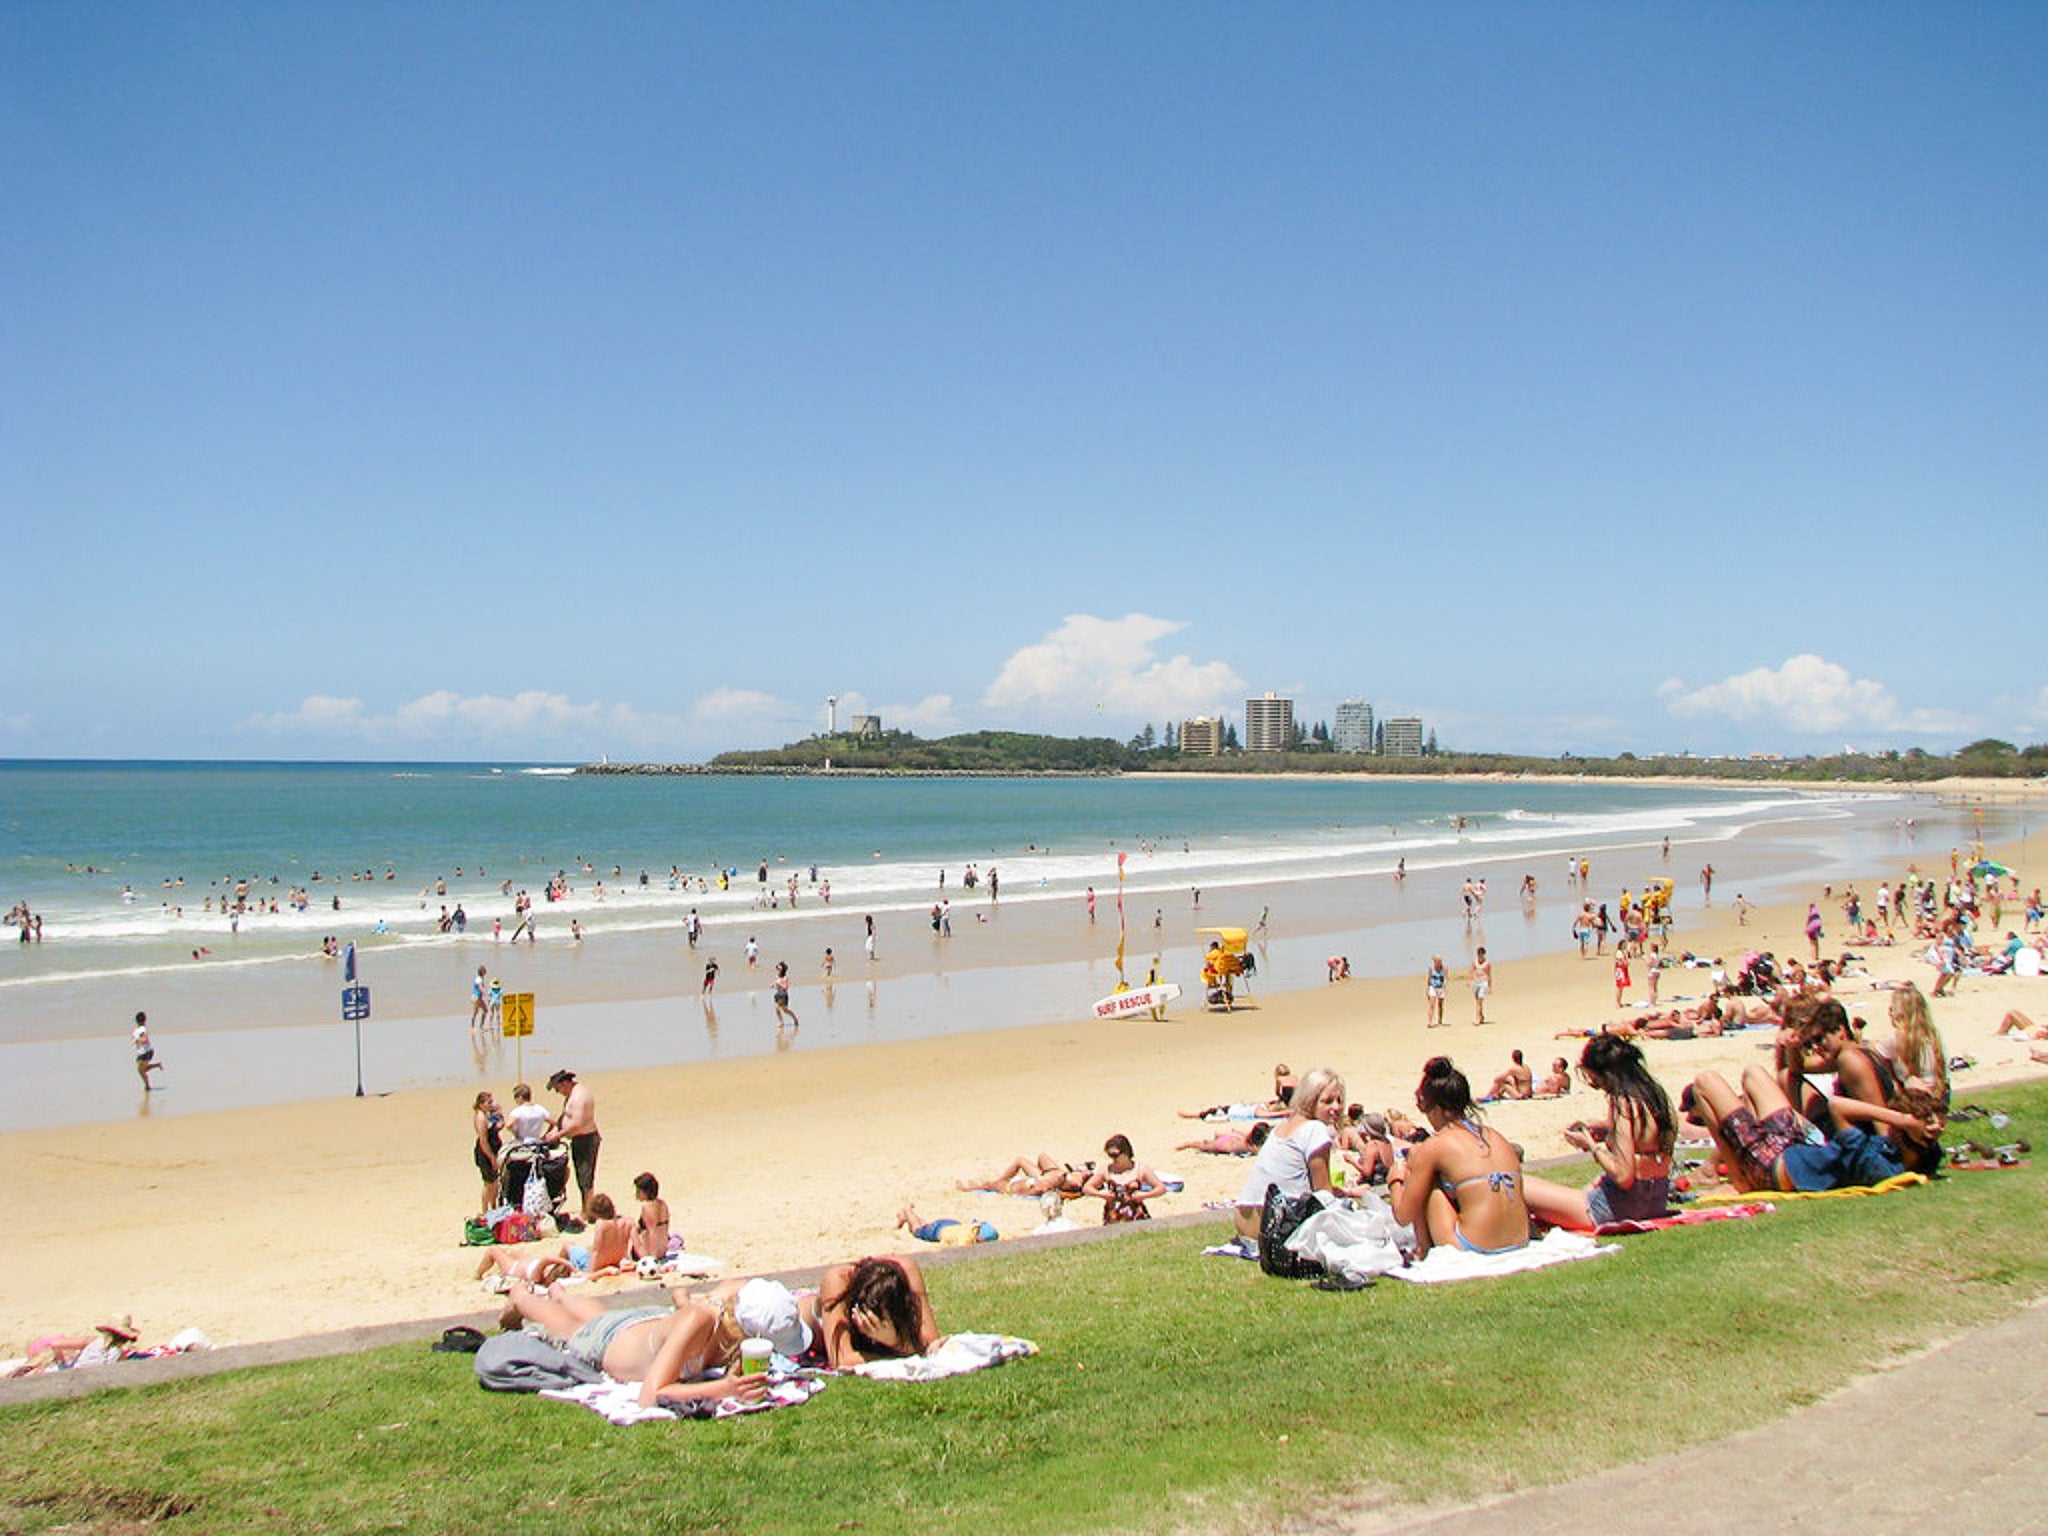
x=1515 y=1083
x=667 y=1350
x=1482 y=983
x=577 y=1125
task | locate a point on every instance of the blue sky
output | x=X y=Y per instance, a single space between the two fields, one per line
x=543 y=381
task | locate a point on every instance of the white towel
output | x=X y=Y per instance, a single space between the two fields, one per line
x=619 y=1401
x=956 y=1355
x=1448 y=1263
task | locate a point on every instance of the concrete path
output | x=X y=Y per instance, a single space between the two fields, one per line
x=1952 y=1439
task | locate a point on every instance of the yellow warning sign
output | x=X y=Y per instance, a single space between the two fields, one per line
x=518 y=1015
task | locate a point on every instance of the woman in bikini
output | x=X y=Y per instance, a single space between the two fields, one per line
x=1231 y=1143
x=1632 y=1149
x=650 y=1232
x=1463 y=1186
x=871 y=1309
x=1033 y=1176
x=669 y=1351
x=1124 y=1183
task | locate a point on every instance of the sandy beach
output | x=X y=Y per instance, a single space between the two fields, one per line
x=263 y=1223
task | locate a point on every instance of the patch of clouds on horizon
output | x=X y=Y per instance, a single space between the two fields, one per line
x=528 y=722
x=1810 y=695
x=1090 y=667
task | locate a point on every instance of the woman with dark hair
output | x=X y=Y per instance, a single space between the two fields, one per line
x=1124 y=1183
x=871 y=1309
x=1632 y=1149
x=1464 y=1184
x=487 y=1126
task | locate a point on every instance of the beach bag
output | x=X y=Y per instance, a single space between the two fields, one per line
x=533 y=1200
x=516 y=1228
x=1278 y=1218
x=477 y=1234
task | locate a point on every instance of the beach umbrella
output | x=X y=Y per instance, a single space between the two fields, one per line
x=1989 y=867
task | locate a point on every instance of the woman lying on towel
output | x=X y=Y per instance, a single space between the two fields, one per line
x=606 y=1249
x=1632 y=1149
x=1033 y=1176
x=1231 y=1143
x=670 y=1351
x=1463 y=1186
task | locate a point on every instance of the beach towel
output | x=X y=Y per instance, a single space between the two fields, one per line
x=1686 y=1219
x=1445 y=1264
x=1897 y=1181
x=619 y=1401
x=956 y=1355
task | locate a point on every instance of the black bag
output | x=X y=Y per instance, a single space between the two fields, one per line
x=1278 y=1218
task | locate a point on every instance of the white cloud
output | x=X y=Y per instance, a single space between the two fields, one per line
x=1806 y=694
x=728 y=704
x=1092 y=667
x=532 y=723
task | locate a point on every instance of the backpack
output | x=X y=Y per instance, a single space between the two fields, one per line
x=1278 y=1218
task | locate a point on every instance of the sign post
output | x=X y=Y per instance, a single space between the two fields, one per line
x=355 y=1007
x=518 y=1017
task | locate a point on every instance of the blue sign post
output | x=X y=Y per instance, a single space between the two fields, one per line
x=355 y=1007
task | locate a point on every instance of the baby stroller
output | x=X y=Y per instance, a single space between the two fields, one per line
x=535 y=1160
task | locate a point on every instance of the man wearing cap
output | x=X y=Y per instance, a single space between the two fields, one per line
x=577 y=1125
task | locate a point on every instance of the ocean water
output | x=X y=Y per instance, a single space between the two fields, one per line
x=130 y=865
x=127 y=864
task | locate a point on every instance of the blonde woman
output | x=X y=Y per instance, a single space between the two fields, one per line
x=1296 y=1157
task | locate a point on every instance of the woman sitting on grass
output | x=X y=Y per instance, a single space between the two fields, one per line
x=1881 y=1123
x=1632 y=1149
x=1917 y=1054
x=1767 y=1144
x=1125 y=1184
x=1296 y=1157
x=1463 y=1186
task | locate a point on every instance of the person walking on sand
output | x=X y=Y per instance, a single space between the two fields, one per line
x=781 y=996
x=710 y=977
x=145 y=1053
x=479 y=1000
x=1433 y=1010
x=1482 y=983
x=577 y=1125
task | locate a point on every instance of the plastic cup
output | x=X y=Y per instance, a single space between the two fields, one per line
x=754 y=1354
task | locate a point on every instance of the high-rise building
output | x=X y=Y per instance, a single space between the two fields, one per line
x=1353 y=731
x=1401 y=737
x=1268 y=724
x=1202 y=736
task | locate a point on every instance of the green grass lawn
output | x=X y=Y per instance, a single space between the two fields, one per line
x=1173 y=1392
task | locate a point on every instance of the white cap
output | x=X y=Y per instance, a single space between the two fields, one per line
x=766 y=1309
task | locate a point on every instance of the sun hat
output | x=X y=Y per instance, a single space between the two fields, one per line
x=766 y=1309
x=124 y=1330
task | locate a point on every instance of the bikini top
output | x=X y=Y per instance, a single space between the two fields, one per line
x=1500 y=1181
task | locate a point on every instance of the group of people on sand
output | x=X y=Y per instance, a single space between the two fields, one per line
x=528 y=1130
x=1460 y=1182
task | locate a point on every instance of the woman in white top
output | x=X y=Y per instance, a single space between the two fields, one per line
x=1296 y=1157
